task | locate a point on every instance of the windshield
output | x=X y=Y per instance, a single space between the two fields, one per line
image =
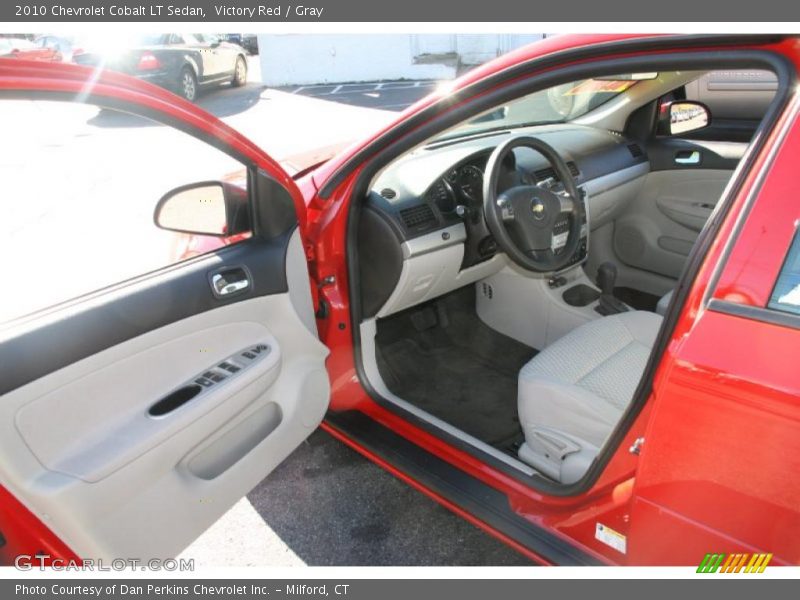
x=554 y=105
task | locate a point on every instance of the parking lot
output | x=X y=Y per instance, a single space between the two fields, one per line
x=384 y=95
x=325 y=505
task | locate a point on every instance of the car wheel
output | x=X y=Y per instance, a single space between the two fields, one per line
x=240 y=72
x=187 y=86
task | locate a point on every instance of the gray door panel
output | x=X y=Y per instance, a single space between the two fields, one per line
x=83 y=448
x=659 y=229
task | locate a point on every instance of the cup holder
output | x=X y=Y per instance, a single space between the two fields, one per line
x=580 y=295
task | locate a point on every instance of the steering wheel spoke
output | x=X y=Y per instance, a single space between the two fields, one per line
x=542 y=255
x=506 y=208
x=567 y=203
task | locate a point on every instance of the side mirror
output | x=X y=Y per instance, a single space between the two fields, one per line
x=205 y=208
x=684 y=116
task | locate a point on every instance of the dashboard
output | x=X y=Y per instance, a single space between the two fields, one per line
x=422 y=230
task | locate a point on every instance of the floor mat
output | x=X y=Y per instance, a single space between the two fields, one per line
x=636 y=298
x=444 y=360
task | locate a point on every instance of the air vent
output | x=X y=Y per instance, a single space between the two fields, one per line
x=573 y=168
x=488 y=291
x=543 y=174
x=388 y=193
x=635 y=150
x=418 y=218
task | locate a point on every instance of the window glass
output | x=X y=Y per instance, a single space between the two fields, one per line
x=786 y=295
x=557 y=104
x=78 y=189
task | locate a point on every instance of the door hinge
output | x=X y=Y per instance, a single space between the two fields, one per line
x=636 y=447
x=322 y=311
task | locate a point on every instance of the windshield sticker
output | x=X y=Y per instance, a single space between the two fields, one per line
x=595 y=86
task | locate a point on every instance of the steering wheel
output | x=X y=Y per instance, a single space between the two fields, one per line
x=522 y=218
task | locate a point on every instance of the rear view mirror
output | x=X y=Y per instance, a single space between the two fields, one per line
x=685 y=116
x=205 y=208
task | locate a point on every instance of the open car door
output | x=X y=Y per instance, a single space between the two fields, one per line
x=133 y=417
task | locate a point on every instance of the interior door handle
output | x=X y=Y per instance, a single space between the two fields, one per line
x=229 y=282
x=686 y=157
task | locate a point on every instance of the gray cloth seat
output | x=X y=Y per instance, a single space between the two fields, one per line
x=572 y=394
x=663 y=304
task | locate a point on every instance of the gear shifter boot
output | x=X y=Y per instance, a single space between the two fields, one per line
x=608 y=305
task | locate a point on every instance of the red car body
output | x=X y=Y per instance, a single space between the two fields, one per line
x=26 y=50
x=723 y=484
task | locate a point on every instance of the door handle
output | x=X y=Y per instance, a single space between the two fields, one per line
x=229 y=282
x=686 y=157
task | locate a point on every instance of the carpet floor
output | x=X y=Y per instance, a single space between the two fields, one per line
x=443 y=359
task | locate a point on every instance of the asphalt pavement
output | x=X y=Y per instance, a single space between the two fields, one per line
x=326 y=505
x=385 y=95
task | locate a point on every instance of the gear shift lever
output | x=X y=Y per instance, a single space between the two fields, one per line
x=606 y=278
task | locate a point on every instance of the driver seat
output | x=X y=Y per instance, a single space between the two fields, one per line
x=572 y=394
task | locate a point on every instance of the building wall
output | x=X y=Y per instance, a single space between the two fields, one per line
x=304 y=59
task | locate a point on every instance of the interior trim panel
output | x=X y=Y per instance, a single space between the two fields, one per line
x=110 y=480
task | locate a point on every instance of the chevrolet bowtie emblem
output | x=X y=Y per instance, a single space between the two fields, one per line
x=537 y=208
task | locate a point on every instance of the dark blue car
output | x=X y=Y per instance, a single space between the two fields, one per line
x=181 y=62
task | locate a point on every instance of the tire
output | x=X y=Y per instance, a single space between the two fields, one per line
x=239 y=72
x=187 y=84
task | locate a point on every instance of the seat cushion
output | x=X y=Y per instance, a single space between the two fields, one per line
x=663 y=304
x=583 y=382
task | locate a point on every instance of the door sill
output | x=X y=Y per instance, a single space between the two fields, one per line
x=459 y=491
